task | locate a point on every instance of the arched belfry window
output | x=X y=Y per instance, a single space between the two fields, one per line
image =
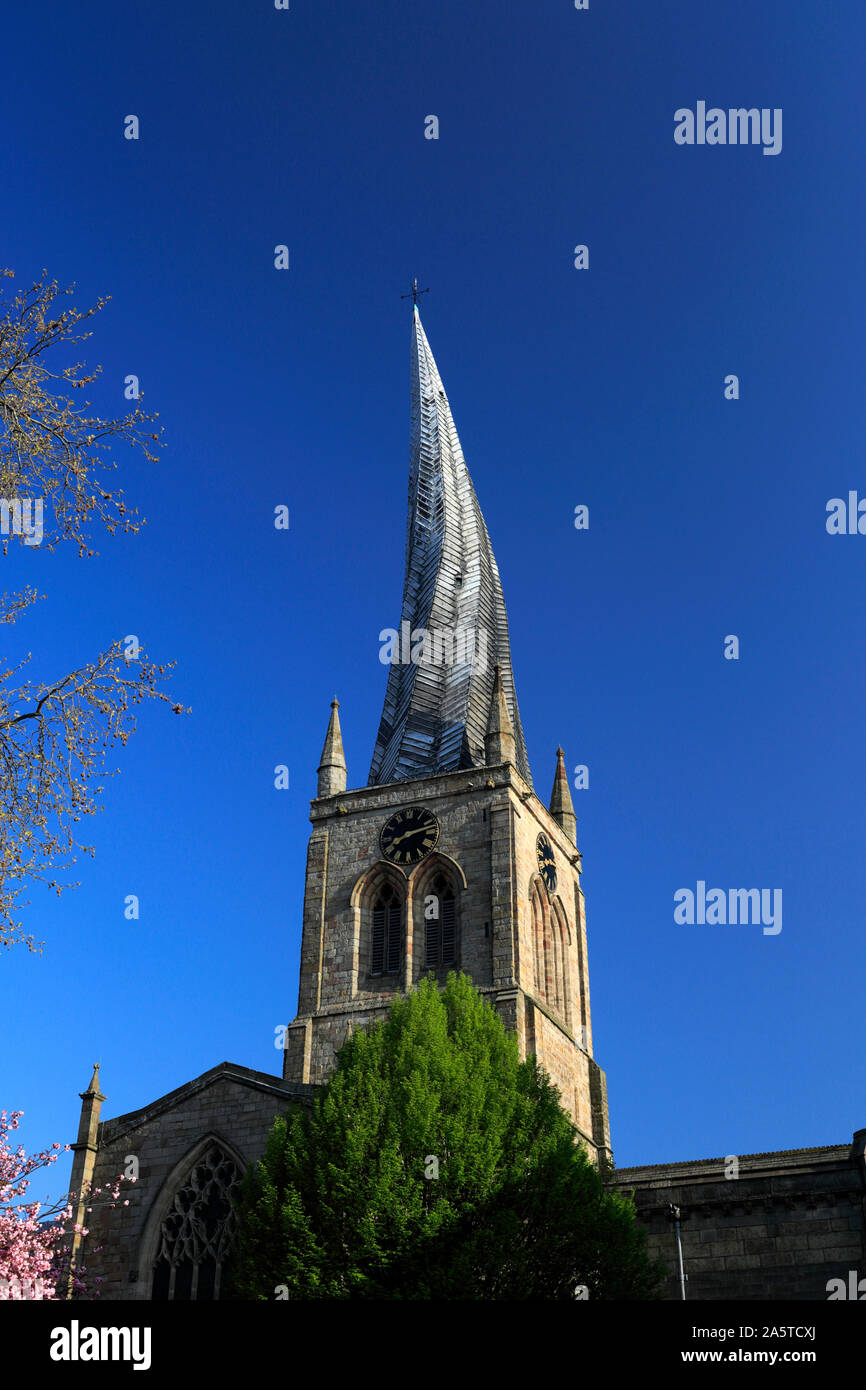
x=540 y=954
x=440 y=924
x=387 y=938
x=197 y=1231
x=562 y=940
x=550 y=952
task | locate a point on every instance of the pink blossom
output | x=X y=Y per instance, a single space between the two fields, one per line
x=35 y=1257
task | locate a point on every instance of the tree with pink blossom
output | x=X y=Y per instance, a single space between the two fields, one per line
x=35 y=1250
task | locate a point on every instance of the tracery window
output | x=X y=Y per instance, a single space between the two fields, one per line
x=387 y=932
x=440 y=931
x=196 y=1234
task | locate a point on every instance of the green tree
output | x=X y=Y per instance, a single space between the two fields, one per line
x=434 y=1164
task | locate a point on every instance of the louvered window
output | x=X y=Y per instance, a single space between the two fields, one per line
x=449 y=931
x=387 y=933
x=440 y=934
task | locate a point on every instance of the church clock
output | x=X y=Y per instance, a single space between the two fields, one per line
x=409 y=835
x=546 y=862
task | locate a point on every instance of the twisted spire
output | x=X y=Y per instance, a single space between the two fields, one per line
x=437 y=701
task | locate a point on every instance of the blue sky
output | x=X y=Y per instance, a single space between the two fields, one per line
x=602 y=387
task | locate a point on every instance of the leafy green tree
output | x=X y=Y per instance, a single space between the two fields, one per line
x=434 y=1164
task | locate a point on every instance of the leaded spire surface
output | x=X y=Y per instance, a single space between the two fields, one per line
x=437 y=702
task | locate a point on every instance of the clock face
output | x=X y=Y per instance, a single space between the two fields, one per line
x=409 y=836
x=546 y=862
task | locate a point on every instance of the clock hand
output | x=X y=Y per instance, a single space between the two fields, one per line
x=407 y=834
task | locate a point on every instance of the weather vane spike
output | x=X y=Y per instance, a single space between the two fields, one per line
x=414 y=291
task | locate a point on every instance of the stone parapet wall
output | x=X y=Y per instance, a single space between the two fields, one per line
x=786 y=1225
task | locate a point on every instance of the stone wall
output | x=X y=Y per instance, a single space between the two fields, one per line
x=234 y=1104
x=489 y=824
x=781 y=1229
x=781 y=1226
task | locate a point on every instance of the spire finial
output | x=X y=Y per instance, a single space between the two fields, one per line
x=93 y=1089
x=332 y=768
x=561 y=804
x=414 y=291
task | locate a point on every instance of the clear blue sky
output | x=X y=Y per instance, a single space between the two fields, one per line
x=707 y=517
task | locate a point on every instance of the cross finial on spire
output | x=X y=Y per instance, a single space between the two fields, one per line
x=414 y=291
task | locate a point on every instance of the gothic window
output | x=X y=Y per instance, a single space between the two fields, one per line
x=539 y=923
x=387 y=932
x=440 y=931
x=555 y=994
x=550 y=952
x=563 y=974
x=196 y=1233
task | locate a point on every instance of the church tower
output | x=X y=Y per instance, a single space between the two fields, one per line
x=447 y=859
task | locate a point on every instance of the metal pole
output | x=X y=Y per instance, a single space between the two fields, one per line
x=677 y=1220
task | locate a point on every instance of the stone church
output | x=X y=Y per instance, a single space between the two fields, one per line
x=445 y=859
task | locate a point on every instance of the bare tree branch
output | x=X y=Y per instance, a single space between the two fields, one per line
x=51 y=448
x=54 y=742
x=55 y=737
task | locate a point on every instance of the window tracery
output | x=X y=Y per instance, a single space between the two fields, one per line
x=196 y=1234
